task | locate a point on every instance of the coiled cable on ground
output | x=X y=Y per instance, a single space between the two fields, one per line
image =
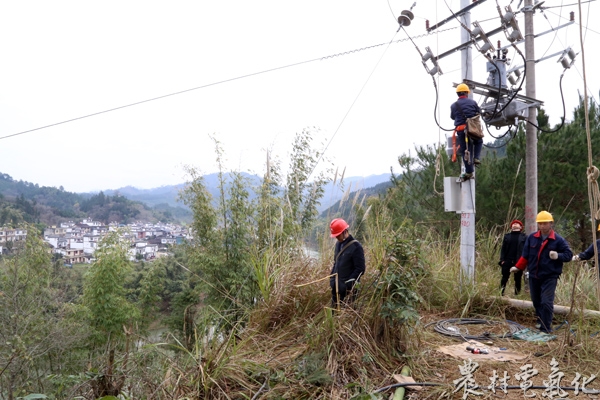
x=455 y=327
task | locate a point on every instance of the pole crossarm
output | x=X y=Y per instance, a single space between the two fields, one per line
x=456 y=15
x=470 y=42
x=553 y=30
x=492 y=91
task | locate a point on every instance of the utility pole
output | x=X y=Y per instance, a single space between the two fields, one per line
x=467 y=189
x=531 y=176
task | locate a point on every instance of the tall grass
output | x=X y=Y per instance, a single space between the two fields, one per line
x=293 y=346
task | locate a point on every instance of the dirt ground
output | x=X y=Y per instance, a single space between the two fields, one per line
x=537 y=370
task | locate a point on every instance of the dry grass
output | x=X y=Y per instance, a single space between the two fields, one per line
x=295 y=347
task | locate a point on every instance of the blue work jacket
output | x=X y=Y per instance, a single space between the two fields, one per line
x=536 y=255
x=470 y=109
x=589 y=253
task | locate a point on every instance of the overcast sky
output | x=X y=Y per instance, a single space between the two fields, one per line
x=63 y=60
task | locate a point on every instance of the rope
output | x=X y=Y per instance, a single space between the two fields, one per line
x=438 y=158
x=438 y=161
x=592 y=175
x=592 y=171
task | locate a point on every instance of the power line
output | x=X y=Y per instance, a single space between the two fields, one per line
x=566 y=5
x=218 y=83
x=352 y=105
x=587 y=28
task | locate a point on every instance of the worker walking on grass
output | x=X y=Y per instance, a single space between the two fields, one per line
x=588 y=254
x=544 y=253
x=469 y=147
x=348 y=263
x=512 y=248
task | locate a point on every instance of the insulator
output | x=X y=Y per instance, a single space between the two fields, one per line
x=403 y=20
x=565 y=62
x=517 y=73
x=514 y=35
x=508 y=16
x=572 y=54
x=485 y=48
x=512 y=80
x=433 y=70
x=476 y=32
x=409 y=14
x=427 y=56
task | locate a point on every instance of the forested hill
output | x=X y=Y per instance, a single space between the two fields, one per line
x=22 y=201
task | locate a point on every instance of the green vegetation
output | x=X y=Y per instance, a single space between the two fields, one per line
x=241 y=311
x=27 y=202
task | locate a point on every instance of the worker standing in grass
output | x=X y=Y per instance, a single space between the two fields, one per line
x=348 y=263
x=588 y=254
x=469 y=148
x=544 y=253
x=512 y=248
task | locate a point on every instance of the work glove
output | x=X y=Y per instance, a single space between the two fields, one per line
x=553 y=255
x=514 y=269
x=575 y=258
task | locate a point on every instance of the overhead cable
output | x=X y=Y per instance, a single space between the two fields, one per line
x=215 y=83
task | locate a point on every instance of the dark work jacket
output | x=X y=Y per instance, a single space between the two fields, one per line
x=536 y=255
x=469 y=107
x=504 y=256
x=350 y=264
x=589 y=253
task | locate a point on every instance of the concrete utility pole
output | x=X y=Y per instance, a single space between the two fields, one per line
x=531 y=176
x=467 y=217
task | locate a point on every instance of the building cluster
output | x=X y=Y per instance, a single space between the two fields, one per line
x=77 y=242
x=8 y=236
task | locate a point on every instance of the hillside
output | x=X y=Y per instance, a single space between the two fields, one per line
x=344 y=208
x=22 y=201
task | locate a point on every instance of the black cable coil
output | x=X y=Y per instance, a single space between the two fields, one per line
x=451 y=327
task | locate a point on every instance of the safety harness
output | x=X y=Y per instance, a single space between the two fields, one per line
x=454 y=147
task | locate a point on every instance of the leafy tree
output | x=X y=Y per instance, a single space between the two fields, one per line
x=111 y=315
x=203 y=254
x=269 y=215
x=562 y=169
x=417 y=193
x=500 y=185
x=302 y=196
x=231 y=238
x=36 y=338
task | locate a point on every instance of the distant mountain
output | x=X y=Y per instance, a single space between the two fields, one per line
x=25 y=201
x=344 y=208
x=160 y=195
x=169 y=194
x=333 y=194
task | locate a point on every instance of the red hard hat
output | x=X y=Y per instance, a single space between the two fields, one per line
x=516 y=221
x=338 y=226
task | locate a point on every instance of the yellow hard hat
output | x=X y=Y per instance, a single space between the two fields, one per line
x=598 y=227
x=462 y=88
x=544 y=216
